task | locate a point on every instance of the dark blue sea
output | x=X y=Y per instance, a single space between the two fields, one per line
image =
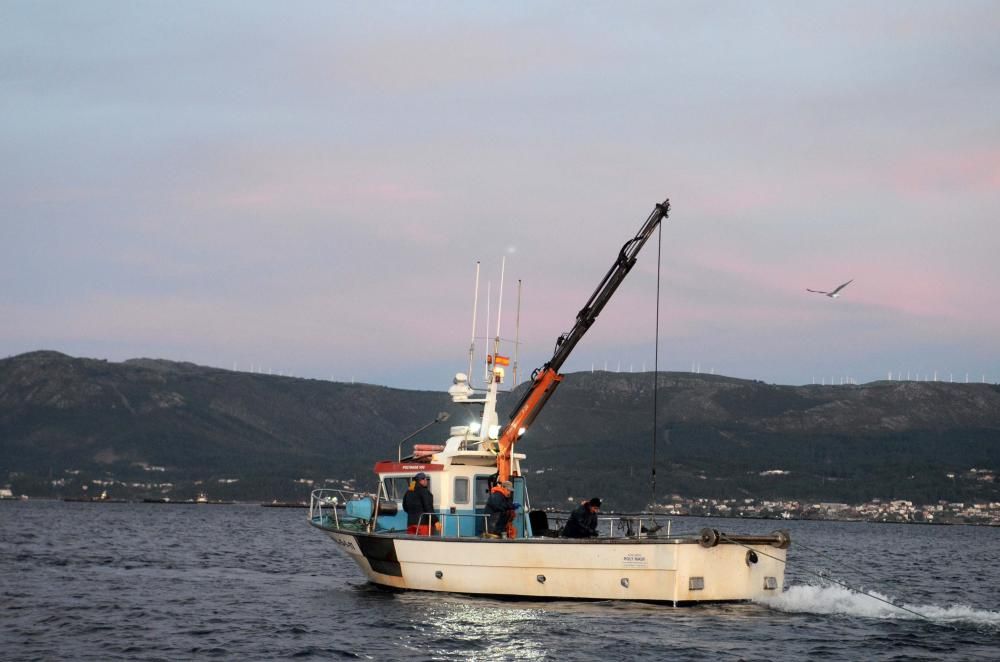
x=89 y=581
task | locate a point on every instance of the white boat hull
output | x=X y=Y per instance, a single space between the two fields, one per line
x=677 y=571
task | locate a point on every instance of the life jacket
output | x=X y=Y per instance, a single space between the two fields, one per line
x=501 y=489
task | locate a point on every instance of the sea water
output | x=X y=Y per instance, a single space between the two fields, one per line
x=172 y=582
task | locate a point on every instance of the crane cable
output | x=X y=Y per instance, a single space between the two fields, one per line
x=656 y=356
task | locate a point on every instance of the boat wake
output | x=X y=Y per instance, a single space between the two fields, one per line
x=839 y=600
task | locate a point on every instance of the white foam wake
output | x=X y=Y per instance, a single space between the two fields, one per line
x=839 y=600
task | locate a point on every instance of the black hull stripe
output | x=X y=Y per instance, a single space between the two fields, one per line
x=381 y=554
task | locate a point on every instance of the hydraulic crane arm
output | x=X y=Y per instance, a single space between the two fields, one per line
x=547 y=378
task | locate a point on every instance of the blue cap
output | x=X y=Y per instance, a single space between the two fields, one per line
x=420 y=476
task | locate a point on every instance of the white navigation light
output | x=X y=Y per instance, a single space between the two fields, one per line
x=475 y=427
x=494 y=431
x=521 y=431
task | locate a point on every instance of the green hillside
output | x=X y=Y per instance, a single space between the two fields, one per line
x=66 y=422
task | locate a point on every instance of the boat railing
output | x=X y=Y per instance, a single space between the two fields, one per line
x=636 y=526
x=621 y=526
x=324 y=504
x=427 y=520
x=325 y=501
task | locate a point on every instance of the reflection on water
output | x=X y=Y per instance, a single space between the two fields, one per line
x=142 y=581
x=484 y=628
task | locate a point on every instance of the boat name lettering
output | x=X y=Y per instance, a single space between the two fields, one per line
x=347 y=545
x=634 y=560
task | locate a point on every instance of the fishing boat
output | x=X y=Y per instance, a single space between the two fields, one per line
x=452 y=550
x=101 y=498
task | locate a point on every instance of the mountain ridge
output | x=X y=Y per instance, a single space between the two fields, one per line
x=717 y=435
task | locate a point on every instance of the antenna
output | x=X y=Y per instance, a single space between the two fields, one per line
x=486 y=366
x=503 y=266
x=475 y=304
x=517 y=331
x=496 y=339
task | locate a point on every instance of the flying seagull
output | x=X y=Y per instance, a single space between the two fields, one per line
x=835 y=293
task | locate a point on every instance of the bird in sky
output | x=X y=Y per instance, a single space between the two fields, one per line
x=835 y=293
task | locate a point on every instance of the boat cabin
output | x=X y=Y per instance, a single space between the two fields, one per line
x=461 y=474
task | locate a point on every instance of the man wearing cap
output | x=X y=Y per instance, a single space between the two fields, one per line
x=418 y=501
x=499 y=508
x=583 y=520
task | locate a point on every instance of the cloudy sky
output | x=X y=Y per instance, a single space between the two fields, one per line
x=306 y=187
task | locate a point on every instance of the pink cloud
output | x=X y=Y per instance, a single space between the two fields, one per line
x=972 y=170
x=916 y=291
x=405 y=60
x=305 y=186
x=737 y=199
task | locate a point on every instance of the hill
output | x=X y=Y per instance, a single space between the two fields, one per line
x=156 y=427
x=728 y=438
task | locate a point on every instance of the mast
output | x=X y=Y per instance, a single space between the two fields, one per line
x=475 y=304
x=517 y=334
x=496 y=341
x=486 y=335
x=547 y=378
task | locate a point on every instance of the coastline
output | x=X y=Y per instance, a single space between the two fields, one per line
x=952 y=521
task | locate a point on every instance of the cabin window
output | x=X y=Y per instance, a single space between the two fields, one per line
x=482 y=490
x=461 y=490
x=396 y=486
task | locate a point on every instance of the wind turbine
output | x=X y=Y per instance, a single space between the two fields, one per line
x=835 y=293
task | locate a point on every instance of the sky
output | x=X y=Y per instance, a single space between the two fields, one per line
x=305 y=188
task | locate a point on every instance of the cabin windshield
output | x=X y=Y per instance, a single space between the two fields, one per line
x=394 y=487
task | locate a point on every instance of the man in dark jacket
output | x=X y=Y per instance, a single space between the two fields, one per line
x=418 y=501
x=583 y=520
x=499 y=508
